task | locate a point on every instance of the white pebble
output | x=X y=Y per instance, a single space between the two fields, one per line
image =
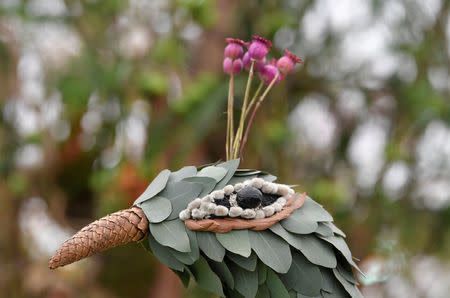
x=235 y=211
x=211 y=207
x=247 y=182
x=283 y=190
x=266 y=187
x=194 y=204
x=238 y=186
x=259 y=214
x=198 y=214
x=228 y=189
x=220 y=211
x=277 y=207
x=207 y=198
x=268 y=211
x=274 y=188
x=185 y=214
x=248 y=213
x=218 y=194
x=257 y=182
x=281 y=201
x=291 y=191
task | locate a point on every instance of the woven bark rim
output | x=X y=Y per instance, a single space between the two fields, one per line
x=224 y=225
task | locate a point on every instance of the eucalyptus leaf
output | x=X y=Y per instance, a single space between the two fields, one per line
x=156 y=186
x=268 y=177
x=262 y=272
x=221 y=269
x=315 y=250
x=239 y=179
x=163 y=254
x=245 y=282
x=248 y=264
x=180 y=194
x=276 y=287
x=335 y=229
x=184 y=277
x=324 y=230
x=231 y=166
x=346 y=271
x=207 y=184
x=298 y=222
x=236 y=241
x=271 y=249
x=350 y=288
x=206 y=278
x=182 y=173
x=315 y=211
x=339 y=244
x=215 y=172
x=246 y=172
x=156 y=209
x=303 y=276
x=263 y=292
x=209 y=244
x=189 y=258
x=331 y=286
x=171 y=233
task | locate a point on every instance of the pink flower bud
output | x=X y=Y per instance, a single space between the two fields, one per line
x=259 y=47
x=234 y=66
x=268 y=74
x=286 y=63
x=234 y=48
x=257 y=67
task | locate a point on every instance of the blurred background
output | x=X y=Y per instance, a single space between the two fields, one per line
x=96 y=97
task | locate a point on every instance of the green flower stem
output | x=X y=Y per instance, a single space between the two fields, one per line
x=252 y=117
x=230 y=129
x=238 y=139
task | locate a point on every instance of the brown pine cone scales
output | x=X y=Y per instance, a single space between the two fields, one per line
x=110 y=231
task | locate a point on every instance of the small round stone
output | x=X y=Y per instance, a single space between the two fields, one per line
x=259 y=214
x=277 y=207
x=248 y=213
x=281 y=201
x=266 y=187
x=210 y=208
x=221 y=211
x=238 y=186
x=291 y=191
x=268 y=211
x=207 y=198
x=204 y=206
x=195 y=204
x=257 y=182
x=274 y=188
x=218 y=194
x=228 y=189
x=235 y=211
x=249 y=197
x=283 y=190
x=185 y=214
x=198 y=214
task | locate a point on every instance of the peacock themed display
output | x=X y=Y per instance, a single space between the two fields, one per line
x=236 y=232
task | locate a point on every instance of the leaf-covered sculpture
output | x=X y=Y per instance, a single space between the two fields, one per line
x=302 y=255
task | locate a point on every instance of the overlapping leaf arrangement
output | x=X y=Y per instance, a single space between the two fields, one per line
x=303 y=255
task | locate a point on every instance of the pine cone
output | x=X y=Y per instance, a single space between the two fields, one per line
x=119 y=228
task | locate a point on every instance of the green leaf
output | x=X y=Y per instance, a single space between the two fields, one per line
x=263 y=292
x=180 y=194
x=262 y=273
x=350 y=288
x=206 y=278
x=157 y=185
x=331 y=286
x=236 y=241
x=340 y=245
x=276 y=287
x=246 y=172
x=298 y=222
x=207 y=184
x=271 y=249
x=221 y=269
x=215 y=172
x=315 y=211
x=346 y=271
x=245 y=282
x=303 y=276
x=171 y=233
x=314 y=249
x=209 y=244
x=268 y=177
x=184 y=276
x=231 y=166
x=248 y=264
x=335 y=229
x=182 y=173
x=188 y=258
x=157 y=209
x=236 y=179
x=163 y=254
x=324 y=230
